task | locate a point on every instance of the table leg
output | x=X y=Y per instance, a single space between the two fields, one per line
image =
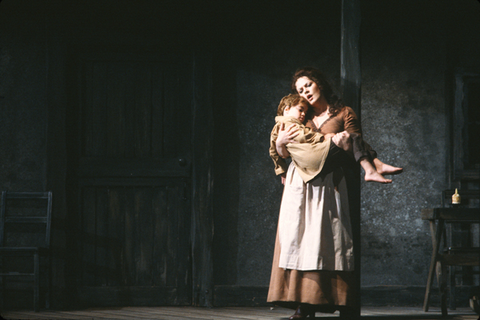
x=436 y=239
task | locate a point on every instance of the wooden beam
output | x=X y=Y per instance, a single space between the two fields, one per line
x=202 y=180
x=350 y=54
x=351 y=84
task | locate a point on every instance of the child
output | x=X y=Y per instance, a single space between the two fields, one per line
x=311 y=148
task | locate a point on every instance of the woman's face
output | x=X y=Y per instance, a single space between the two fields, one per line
x=308 y=89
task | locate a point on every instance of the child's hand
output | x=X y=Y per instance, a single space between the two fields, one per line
x=329 y=135
x=287 y=135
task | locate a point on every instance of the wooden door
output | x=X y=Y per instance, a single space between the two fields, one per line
x=131 y=189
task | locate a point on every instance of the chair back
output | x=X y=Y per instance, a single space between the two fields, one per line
x=25 y=219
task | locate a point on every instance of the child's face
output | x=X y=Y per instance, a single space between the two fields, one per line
x=298 y=111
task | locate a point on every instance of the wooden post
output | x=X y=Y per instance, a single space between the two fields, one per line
x=350 y=54
x=202 y=180
x=351 y=83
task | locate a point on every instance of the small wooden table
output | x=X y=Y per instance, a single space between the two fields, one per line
x=437 y=218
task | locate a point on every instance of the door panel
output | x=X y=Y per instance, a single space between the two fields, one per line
x=130 y=235
x=133 y=179
x=135 y=110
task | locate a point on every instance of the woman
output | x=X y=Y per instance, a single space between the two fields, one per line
x=313 y=265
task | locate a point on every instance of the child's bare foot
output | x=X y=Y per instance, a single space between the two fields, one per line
x=374 y=176
x=383 y=168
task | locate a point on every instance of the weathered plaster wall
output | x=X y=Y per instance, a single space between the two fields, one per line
x=408 y=62
x=403 y=118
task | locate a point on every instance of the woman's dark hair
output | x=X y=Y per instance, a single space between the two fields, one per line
x=335 y=103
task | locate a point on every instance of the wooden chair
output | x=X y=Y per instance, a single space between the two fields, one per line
x=25 y=223
x=452 y=244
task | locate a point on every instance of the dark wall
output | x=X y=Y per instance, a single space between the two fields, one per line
x=23 y=101
x=409 y=50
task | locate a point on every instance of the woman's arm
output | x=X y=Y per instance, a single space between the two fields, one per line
x=352 y=125
x=350 y=121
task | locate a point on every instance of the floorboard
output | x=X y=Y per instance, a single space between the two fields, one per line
x=230 y=313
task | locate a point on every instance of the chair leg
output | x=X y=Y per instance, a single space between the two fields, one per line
x=36 y=289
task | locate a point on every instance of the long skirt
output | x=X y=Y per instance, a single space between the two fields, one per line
x=313 y=260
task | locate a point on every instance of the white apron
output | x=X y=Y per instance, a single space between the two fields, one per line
x=314 y=223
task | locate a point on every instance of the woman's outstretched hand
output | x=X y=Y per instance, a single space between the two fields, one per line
x=342 y=140
x=286 y=136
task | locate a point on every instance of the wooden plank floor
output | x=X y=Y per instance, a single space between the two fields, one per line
x=240 y=313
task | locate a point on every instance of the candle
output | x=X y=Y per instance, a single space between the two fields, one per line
x=456 y=197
